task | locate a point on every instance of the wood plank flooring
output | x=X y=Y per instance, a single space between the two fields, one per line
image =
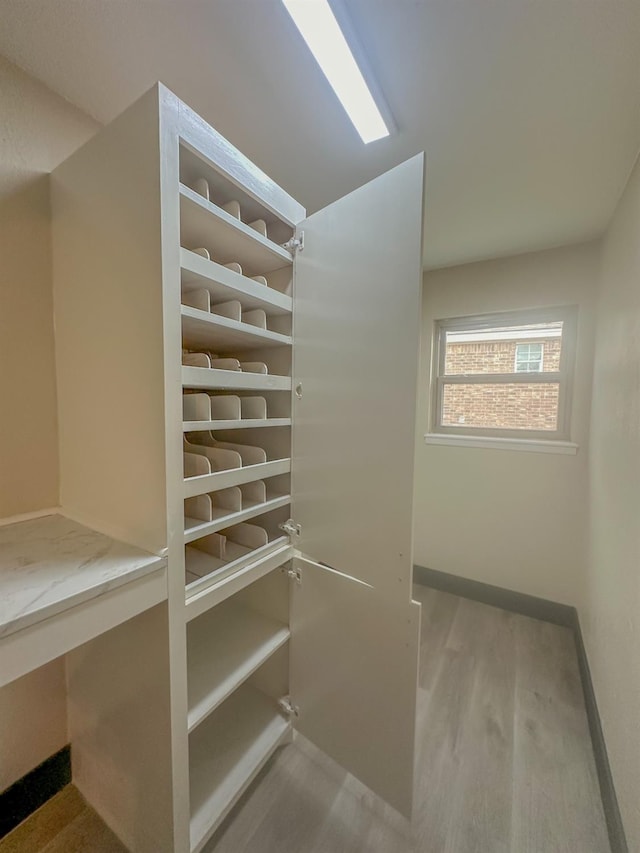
x=504 y=760
x=65 y=824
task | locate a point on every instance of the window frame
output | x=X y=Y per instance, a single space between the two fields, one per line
x=564 y=377
x=529 y=360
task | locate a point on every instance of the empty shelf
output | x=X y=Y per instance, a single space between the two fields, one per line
x=226 y=753
x=203 y=377
x=227 y=238
x=201 y=329
x=223 y=649
x=222 y=283
x=195 y=528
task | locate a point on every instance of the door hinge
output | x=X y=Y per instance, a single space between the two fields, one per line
x=294 y=574
x=295 y=244
x=288 y=707
x=291 y=528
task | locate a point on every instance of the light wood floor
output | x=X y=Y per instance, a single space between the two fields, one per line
x=65 y=824
x=504 y=759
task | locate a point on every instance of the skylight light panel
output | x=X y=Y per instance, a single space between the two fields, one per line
x=319 y=28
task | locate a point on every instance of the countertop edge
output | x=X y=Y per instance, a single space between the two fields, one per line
x=54 y=608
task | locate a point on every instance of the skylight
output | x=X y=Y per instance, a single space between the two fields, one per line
x=320 y=30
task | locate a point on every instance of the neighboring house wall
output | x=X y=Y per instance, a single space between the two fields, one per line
x=497 y=356
x=39 y=130
x=610 y=604
x=499 y=406
x=506 y=517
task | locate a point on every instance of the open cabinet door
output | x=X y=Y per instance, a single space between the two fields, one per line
x=354 y=646
x=354 y=672
x=357 y=307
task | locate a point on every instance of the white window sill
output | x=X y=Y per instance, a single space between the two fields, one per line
x=529 y=445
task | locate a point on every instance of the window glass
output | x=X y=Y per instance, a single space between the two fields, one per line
x=504 y=374
x=529 y=358
x=502 y=406
x=497 y=350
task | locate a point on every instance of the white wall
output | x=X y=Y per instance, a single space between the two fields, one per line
x=509 y=518
x=39 y=130
x=610 y=608
x=33 y=720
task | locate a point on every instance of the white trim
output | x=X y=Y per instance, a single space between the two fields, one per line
x=529 y=445
x=472 y=336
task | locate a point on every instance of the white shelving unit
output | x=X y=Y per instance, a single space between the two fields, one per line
x=226 y=754
x=199 y=328
x=229 y=240
x=202 y=377
x=195 y=528
x=203 y=483
x=238 y=382
x=200 y=566
x=223 y=651
x=222 y=283
x=236 y=423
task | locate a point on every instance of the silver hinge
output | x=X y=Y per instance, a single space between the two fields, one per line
x=295 y=244
x=288 y=707
x=291 y=528
x=294 y=574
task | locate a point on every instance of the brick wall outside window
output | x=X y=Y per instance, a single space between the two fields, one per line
x=531 y=406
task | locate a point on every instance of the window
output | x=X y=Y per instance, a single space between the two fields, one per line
x=505 y=375
x=529 y=358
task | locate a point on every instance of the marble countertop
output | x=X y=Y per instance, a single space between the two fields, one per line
x=50 y=564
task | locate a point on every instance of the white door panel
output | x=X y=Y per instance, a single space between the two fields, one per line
x=356 y=330
x=354 y=664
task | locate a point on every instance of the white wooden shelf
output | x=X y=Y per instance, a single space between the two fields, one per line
x=202 y=330
x=199 y=565
x=229 y=240
x=254 y=190
x=237 y=423
x=222 y=283
x=223 y=649
x=205 y=593
x=204 y=377
x=203 y=411
x=235 y=477
x=213 y=570
x=225 y=755
x=194 y=528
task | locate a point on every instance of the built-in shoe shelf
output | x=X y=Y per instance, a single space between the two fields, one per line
x=226 y=753
x=225 y=282
x=224 y=648
x=228 y=239
x=209 y=513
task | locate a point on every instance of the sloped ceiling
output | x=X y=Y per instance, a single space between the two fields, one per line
x=529 y=110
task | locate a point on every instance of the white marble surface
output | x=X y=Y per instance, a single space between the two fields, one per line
x=50 y=564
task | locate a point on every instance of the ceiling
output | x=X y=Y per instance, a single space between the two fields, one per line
x=529 y=110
